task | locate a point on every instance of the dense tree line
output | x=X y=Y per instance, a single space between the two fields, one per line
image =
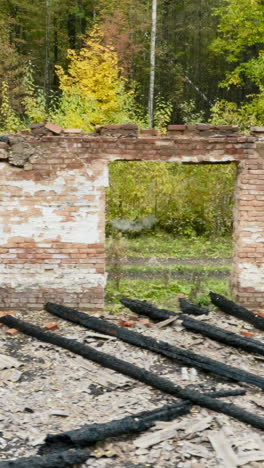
x=86 y=62
x=206 y=50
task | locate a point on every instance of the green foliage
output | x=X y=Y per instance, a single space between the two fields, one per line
x=182 y=200
x=162 y=115
x=245 y=115
x=155 y=292
x=189 y=113
x=35 y=99
x=241 y=32
x=11 y=67
x=8 y=118
x=163 y=245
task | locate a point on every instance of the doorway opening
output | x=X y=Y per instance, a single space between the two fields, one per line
x=169 y=231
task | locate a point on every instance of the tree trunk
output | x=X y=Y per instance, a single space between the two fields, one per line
x=152 y=61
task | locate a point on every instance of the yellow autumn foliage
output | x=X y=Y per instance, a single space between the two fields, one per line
x=93 y=89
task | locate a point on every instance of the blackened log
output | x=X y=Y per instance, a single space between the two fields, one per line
x=144 y=308
x=136 y=372
x=161 y=347
x=67 y=459
x=192 y=309
x=231 y=308
x=92 y=433
x=224 y=336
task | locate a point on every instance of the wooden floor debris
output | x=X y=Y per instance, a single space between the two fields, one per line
x=57 y=391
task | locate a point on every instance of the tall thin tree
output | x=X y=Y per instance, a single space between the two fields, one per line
x=152 y=61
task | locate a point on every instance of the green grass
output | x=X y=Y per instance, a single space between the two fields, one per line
x=165 y=291
x=162 y=245
x=163 y=294
x=174 y=268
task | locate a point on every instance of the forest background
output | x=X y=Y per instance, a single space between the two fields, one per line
x=81 y=63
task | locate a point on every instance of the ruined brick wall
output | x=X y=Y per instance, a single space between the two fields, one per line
x=52 y=208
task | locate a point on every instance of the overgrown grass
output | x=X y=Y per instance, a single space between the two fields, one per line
x=162 y=293
x=174 y=268
x=165 y=291
x=162 y=245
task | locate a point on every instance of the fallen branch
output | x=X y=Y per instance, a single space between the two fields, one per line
x=236 y=310
x=161 y=347
x=89 y=434
x=65 y=459
x=224 y=336
x=136 y=372
x=191 y=309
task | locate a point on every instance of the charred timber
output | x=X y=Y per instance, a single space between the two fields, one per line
x=136 y=372
x=144 y=308
x=231 y=308
x=67 y=459
x=224 y=336
x=192 y=309
x=161 y=347
x=92 y=433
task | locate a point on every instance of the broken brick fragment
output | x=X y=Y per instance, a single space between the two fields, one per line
x=260 y=313
x=51 y=326
x=133 y=317
x=146 y=322
x=12 y=331
x=53 y=128
x=126 y=323
x=8 y=312
x=247 y=334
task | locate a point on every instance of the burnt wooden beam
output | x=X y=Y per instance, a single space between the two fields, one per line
x=144 y=308
x=66 y=459
x=231 y=308
x=192 y=309
x=92 y=433
x=224 y=336
x=136 y=372
x=181 y=355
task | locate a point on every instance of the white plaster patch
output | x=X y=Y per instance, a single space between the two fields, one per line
x=251 y=276
x=70 y=279
x=254 y=238
x=83 y=228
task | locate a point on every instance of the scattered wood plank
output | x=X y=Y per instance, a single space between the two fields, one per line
x=136 y=372
x=7 y=362
x=231 y=308
x=223 y=449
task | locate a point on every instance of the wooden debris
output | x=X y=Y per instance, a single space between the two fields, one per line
x=224 y=451
x=164 y=323
x=181 y=355
x=6 y=362
x=137 y=373
x=230 y=307
x=224 y=336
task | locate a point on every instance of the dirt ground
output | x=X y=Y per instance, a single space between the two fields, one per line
x=51 y=390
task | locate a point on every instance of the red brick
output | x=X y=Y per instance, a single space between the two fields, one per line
x=9 y=312
x=126 y=323
x=12 y=331
x=51 y=326
x=54 y=128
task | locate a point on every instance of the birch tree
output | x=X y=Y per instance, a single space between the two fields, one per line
x=152 y=61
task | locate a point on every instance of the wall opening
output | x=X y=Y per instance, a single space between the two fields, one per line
x=169 y=231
